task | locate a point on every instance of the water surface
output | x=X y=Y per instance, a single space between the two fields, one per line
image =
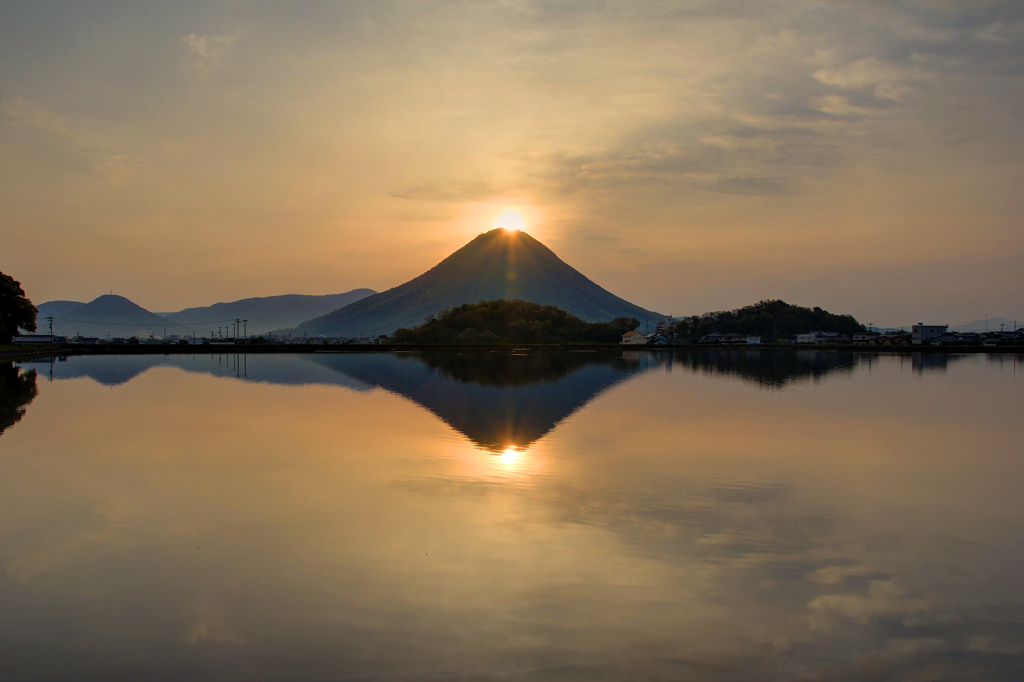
x=716 y=515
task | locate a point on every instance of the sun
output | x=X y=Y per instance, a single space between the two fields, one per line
x=510 y=220
x=510 y=455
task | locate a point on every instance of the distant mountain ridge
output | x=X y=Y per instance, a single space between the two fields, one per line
x=991 y=324
x=499 y=264
x=114 y=309
x=270 y=312
x=109 y=314
x=116 y=316
x=56 y=309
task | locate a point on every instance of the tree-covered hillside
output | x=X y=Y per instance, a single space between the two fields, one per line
x=768 y=319
x=502 y=321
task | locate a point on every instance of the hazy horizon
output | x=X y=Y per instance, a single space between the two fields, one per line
x=862 y=156
x=995 y=320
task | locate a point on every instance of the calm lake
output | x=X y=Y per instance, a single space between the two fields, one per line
x=719 y=515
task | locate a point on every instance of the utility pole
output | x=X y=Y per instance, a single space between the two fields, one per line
x=237 y=326
x=50 y=318
x=245 y=329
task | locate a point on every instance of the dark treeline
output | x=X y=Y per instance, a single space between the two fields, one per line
x=768 y=319
x=501 y=321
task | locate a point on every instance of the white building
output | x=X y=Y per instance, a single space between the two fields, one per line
x=634 y=338
x=753 y=340
x=924 y=333
x=30 y=339
x=865 y=337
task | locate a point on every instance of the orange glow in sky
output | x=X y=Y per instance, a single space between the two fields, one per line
x=510 y=220
x=861 y=156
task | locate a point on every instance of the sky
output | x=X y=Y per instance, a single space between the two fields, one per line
x=865 y=156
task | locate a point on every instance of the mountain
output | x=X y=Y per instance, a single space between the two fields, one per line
x=270 y=312
x=108 y=314
x=992 y=324
x=56 y=308
x=507 y=264
x=113 y=309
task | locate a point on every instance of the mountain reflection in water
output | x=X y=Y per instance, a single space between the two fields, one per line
x=705 y=516
x=499 y=400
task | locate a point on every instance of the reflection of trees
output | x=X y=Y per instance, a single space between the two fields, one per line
x=509 y=370
x=17 y=390
x=769 y=368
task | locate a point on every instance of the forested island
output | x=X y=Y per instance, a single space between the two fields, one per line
x=501 y=321
x=772 y=320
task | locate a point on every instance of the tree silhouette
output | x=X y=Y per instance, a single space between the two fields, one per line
x=17 y=390
x=16 y=311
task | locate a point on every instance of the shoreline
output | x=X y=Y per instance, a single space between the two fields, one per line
x=8 y=354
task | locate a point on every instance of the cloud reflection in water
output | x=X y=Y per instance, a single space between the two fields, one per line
x=693 y=522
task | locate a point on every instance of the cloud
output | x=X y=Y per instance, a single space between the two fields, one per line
x=883 y=598
x=210 y=625
x=115 y=169
x=1001 y=32
x=210 y=49
x=839 y=105
x=22 y=113
x=752 y=187
x=892 y=81
x=451 y=192
x=725 y=156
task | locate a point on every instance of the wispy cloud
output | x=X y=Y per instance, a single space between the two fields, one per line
x=22 y=113
x=451 y=192
x=115 y=169
x=1002 y=32
x=111 y=168
x=210 y=50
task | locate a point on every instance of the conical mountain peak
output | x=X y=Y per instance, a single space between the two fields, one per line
x=112 y=308
x=500 y=263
